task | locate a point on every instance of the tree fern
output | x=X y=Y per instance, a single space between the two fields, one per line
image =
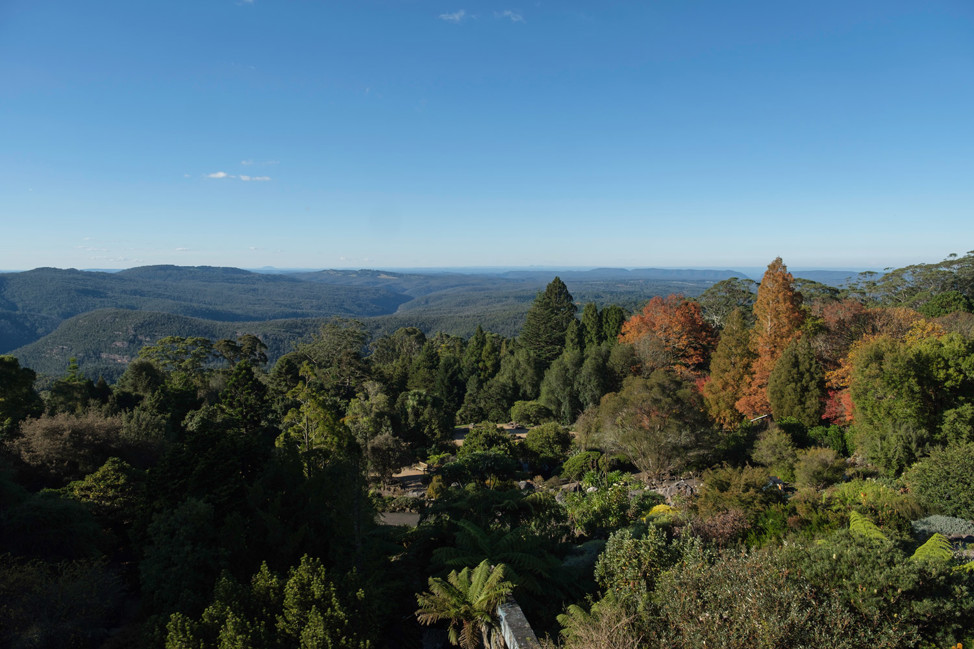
x=468 y=599
x=528 y=564
x=937 y=548
x=862 y=526
x=967 y=567
x=574 y=617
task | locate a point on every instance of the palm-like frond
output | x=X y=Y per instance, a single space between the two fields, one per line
x=859 y=524
x=937 y=548
x=528 y=564
x=468 y=599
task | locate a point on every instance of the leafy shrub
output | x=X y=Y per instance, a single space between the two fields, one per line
x=480 y=466
x=530 y=413
x=944 y=303
x=946 y=525
x=608 y=508
x=889 y=508
x=579 y=464
x=548 y=444
x=485 y=436
x=630 y=564
x=942 y=482
x=751 y=600
x=771 y=525
x=814 y=515
x=437 y=488
x=818 y=468
x=925 y=603
x=775 y=449
x=831 y=437
x=745 y=489
x=115 y=493
x=722 y=528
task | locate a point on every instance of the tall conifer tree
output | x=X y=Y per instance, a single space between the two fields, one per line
x=778 y=317
x=730 y=370
x=547 y=322
x=592 y=325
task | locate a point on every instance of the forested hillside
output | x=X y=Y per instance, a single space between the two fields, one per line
x=34 y=303
x=48 y=316
x=764 y=465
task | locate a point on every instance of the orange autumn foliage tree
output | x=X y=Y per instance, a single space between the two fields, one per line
x=670 y=332
x=778 y=318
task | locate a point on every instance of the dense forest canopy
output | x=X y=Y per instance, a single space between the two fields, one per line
x=625 y=471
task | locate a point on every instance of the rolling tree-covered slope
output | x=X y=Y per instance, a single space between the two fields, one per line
x=48 y=315
x=34 y=303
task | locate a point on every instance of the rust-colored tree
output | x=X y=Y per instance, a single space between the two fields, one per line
x=670 y=332
x=730 y=371
x=778 y=318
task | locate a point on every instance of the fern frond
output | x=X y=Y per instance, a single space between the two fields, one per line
x=937 y=548
x=573 y=617
x=862 y=526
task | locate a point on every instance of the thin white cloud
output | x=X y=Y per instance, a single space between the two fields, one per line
x=220 y=175
x=182 y=249
x=246 y=162
x=455 y=17
x=513 y=16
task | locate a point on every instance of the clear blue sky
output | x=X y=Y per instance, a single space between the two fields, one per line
x=358 y=133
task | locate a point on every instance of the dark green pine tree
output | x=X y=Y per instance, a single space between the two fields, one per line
x=245 y=398
x=574 y=339
x=592 y=325
x=797 y=384
x=612 y=318
x=547 y=322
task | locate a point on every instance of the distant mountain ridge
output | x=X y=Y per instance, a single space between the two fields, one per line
x=33 y=303
x=48 y=315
